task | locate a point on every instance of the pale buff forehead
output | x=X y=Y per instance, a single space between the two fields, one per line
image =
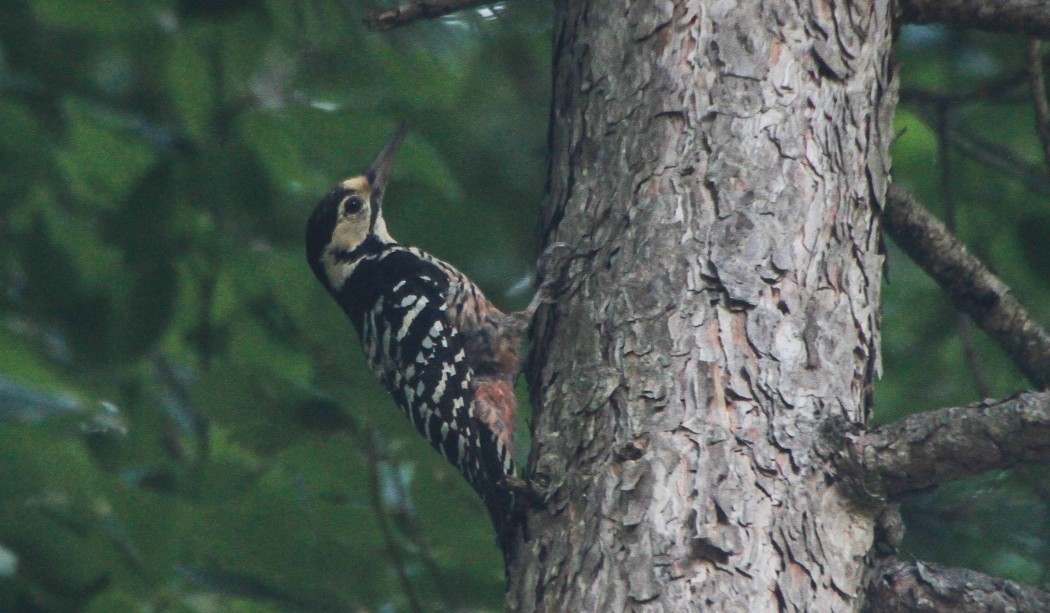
x=358 y=184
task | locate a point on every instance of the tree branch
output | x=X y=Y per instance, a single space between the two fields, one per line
x=973 y=357
x=1037 y=83
x=929 y=105
x=926 y=449
x=920 y=586
x=392 y=548
x=970 y=284
x=1031 y=17
x=997 y=90
x=387 y=19
x=1002 y=159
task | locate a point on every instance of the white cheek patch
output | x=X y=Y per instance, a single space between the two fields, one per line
x=336 y=271
x=349 y=233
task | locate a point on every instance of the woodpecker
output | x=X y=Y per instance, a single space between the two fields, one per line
x=445 y=353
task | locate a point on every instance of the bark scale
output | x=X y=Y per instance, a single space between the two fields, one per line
x=717 y=168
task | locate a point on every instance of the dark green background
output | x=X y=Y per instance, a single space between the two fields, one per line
x=186 y=422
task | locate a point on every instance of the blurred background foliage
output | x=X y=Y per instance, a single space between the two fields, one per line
x=186 y=423
x=967 y=147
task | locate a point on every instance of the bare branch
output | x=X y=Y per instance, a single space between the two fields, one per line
x=970 y=284
x=1031 y=17
x=405 y=14
x=930 y=106
x=1001 y=159
x=1037 y=83
x=920 y=586
x=926 y=449
x=973 y=357
x=392 y=548
x=999 y=90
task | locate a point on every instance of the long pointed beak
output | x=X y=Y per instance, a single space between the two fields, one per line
x=379 y=172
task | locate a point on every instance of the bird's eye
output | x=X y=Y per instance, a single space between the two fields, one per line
x=354 y=204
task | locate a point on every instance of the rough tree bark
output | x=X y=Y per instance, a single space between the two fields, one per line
x=718 y=168
x=721 y=170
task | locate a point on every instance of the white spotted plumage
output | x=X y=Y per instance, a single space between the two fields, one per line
x=443 y=351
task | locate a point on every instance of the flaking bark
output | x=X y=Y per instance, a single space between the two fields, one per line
x=926 y=449
x=721 y=164
x=906 y=587
x=650 y=502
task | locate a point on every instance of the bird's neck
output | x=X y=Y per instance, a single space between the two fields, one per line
x=339 y=264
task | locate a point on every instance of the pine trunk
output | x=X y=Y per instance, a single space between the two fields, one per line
x=717 y=168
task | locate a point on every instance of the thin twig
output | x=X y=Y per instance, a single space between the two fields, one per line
x=944 y=155
x=926 y=105
x=972 y=356
x=405 y=14
x=411 y=529
x=1037 y=83
x=1001 y=159
x=992 y=91
x=969 y=284
x=392 y=547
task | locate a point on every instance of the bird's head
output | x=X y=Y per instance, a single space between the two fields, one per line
x=348 y=221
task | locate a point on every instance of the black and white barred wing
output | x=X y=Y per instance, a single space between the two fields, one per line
x=419 y=355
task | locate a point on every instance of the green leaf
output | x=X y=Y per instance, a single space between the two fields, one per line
x=101 y=165
x=102 y=17
x=191 y=83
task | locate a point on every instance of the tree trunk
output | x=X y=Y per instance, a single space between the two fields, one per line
x=718 y=169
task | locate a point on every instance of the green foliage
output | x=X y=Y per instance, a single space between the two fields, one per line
x=186 y=423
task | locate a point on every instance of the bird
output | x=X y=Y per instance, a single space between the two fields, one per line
x=448 y=356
